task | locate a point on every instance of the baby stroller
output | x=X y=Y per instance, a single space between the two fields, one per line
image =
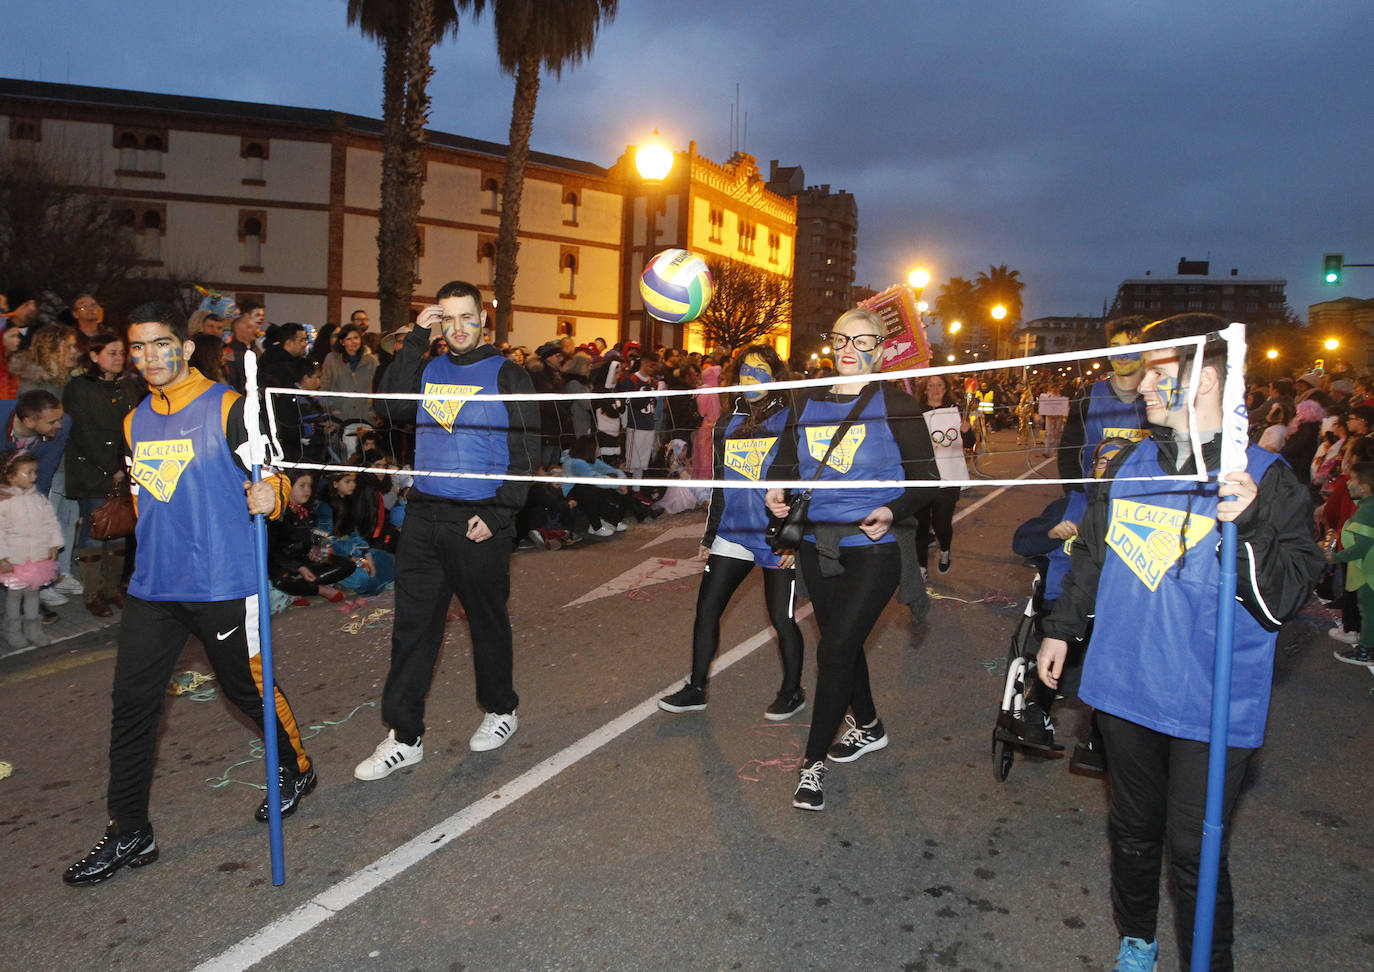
x=1020 y=721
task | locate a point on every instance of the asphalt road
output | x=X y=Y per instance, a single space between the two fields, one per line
x=609 y=835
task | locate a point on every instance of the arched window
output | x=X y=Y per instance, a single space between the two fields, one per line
x=150 y=229
x=492 y=188
x=570 y=207
x=151 y=157
x=568 y=273
x=252 y=234
x=253 y=156
x=486 y=253
x=128 y=152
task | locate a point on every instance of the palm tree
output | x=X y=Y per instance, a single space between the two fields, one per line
x=406 y=30
x=1001 y=286
x=533 y=35
x=957 y=301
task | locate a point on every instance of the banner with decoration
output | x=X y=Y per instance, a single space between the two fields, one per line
x=905 y=345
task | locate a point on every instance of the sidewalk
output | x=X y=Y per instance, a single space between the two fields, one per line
x=73 y=621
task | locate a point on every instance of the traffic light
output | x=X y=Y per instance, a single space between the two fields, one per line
x=1332 y=265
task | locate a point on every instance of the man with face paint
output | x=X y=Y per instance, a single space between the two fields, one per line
x=1145 y=566
x=1112 y=409
x=195 y=575
x=458 y=534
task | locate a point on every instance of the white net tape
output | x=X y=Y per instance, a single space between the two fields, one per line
x=288 y=410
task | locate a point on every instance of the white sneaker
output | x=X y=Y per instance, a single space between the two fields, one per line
x=620 y=527
x=67 y=584
x=52 y=597
x=493 y=732
x=605 y=530
x=1343 y=636
x=389 y=756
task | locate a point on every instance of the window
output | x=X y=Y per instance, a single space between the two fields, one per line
x=140 y=151
x=715 y=219
x=567 y=270
x=492 y=189
x=774 y=245
x=26 y=129
x=570 y=205
x=747 y=233
x=252 y=235
x=146 y=225
x=254 y=151
x=486 y=253
x=567 y=327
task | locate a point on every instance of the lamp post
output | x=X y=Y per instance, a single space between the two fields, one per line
x=999 y=314
x=653 y=161
x=1273 y=355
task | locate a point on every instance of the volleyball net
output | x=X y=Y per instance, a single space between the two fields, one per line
x=1016 y=409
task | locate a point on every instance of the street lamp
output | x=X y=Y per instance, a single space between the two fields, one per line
x=918 y=278
x=922 y=306
x=1331 y=344
x=954 y=326
x=653 y=161
x=1271 y=354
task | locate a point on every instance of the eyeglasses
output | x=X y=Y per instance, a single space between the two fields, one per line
x=861 y=342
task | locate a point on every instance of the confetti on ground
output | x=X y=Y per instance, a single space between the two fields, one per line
x=5 y=769
x=193 y=685
x=373 y=620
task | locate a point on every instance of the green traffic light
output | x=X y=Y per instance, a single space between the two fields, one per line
x=1332 y=277
x=1332 y=265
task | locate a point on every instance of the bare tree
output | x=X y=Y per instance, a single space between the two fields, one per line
x=749 y=305
x=60 y=238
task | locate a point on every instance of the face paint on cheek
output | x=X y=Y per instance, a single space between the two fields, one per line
x=1170 y=393
x=867 y=359
x=174 y=357
x=460 y=335
x=1125 y=364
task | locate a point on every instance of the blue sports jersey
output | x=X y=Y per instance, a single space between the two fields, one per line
x=869 y=451
x=195 y=537
x=747 y=458
x=461 y=436
x=1108 y=418
x=1150 y=658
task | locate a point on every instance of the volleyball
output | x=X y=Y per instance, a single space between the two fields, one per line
x=676 y=286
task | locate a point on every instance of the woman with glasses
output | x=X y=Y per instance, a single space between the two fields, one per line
x=950 y=431
x=849 y=557
x=734 y=542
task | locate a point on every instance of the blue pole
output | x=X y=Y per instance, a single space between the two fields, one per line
x=1233 y=446
x=1210 y=865
x=257 y=449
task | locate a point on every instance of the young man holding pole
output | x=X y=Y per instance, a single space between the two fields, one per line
x=1146 y=564
x=195 y=575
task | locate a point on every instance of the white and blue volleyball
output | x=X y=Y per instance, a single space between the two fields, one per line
x=676 y=286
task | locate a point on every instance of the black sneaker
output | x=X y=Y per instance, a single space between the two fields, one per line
x=785 y=706
x=111 y=852
x=293 y=786
x=689 y=698
x=810 y=792
x=46 y=614
x=944 y=561
x=1358 y=655
x=858 y=740
x=1089 y=756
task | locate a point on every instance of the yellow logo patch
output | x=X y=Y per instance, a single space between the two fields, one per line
x=1146 y=538
x=159 y=464
x=1130 y=435
x=745 y=456
x=445 y=409
x=842 y=458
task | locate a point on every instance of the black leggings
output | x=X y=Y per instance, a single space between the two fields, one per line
x=722 y=578
x=847 y=608
x=601 y=506
x=938 y=515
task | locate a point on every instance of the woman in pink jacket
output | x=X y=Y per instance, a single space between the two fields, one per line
x=30 y=538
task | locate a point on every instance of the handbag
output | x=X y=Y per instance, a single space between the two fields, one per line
x=113 y=518
x=786 y=534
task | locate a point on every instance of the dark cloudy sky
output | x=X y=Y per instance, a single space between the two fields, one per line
x=1078 y=141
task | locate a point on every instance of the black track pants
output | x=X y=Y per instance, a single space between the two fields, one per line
x=722 y=578
x=152 y=635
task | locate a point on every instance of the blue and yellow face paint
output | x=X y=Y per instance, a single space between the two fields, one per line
x=1128 y=363
x=753 y=370
x=1172 y=393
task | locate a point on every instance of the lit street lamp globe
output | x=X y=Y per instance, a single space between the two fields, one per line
x=1332 y=344
x=653 y=161
x=999 y=313
x=954 y=326
x=1271 y=354
x=918 y=278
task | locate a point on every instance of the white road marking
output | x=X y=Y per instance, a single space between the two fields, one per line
x=276 y=935
x=655 y=570
x=676 y=533
x=996 y=493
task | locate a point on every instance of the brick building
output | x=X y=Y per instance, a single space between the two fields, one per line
x=827 y=247
x=1257 y=301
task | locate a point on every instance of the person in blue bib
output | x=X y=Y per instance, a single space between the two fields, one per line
x=1112 y=409
x=195 y=575
x=744 y=447
x=459 y=530
x=1145 y=564
x=849 y=557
